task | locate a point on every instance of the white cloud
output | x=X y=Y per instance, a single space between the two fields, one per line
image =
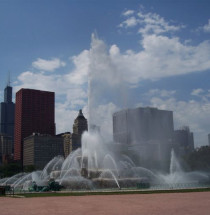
x=114 y=50
x=201 y=94
x=81 y=62
x=64 y=117
x=160 y=57
x=130 y=22
x=160 y=93
x=197 y=92
x=76 y=97
x=155 y=24
x=48 y=65
x=149 y=23
x=206 y=27
x=128 y=13
x=41 y=81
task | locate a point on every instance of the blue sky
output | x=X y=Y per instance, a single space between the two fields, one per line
x=142 y=53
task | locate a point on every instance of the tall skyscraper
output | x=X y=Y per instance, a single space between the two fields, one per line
x=7 y=113
x=34 y=113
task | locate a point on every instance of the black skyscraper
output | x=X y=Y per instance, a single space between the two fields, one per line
x=7 y=113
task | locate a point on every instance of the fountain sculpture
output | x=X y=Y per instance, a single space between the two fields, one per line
x=94 y=167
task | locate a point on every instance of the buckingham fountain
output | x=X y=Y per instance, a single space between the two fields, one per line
x=94 y=167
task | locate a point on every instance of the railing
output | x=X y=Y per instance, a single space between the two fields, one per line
x=9 y=190
x=179 y=186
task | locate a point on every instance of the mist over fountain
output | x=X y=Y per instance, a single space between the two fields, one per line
x=96 y=165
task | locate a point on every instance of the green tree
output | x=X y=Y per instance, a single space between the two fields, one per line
x=8 y=170
x=29 y=168
x=199 y=159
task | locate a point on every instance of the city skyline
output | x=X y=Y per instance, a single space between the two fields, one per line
x=161 y=51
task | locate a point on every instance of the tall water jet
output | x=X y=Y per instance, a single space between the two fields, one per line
x=174 y=164
x=105 y=88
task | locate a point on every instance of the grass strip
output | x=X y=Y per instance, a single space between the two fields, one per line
x=120 y=192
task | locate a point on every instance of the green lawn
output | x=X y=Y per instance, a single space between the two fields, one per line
x=114 y=192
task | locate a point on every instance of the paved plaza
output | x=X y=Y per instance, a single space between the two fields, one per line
x=197 y=203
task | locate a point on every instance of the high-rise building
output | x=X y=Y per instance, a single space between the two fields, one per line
x=5 y=147
x=143 y=124
x=79 y=126
x=34 y=113
x=67 y=144
x=7 y=113
x=39 y=149
x=146 y=132
x=184 y=140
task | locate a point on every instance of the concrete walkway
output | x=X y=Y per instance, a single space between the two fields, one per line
x=197 y=203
